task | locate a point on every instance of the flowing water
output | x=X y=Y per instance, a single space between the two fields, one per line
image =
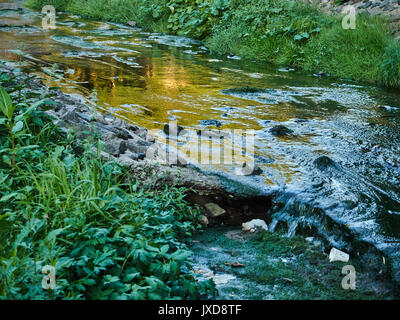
x=150 y=79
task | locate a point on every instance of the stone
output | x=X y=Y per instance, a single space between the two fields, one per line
x=108 y=136
x=116 y=146
x=135 y=148
x=237 y=265
x=167 y=156
x=125 y=160
x=131 y=24
x=134 y=156
x=367 y=5
x=99 y=118
x=84 y=117
x=253 y=225
x=137 y=145
x=150 y=138
x=280 y=131
x=207 y=123
x=321 y=74
x=214 y=209
x=324 y=162
x=70 y=116
x=203 y=220
x=141 y=132
x=120 y=132
x=337 y=255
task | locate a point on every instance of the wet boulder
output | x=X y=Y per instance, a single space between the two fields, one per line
x=137 y=145
x=116 y=146
x=324 y=162
x=214 y=209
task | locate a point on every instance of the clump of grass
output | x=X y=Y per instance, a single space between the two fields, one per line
x=389 y=72
x=61 y=205
x=39 y=4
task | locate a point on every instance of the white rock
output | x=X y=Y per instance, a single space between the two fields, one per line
x=254 y=224
x=337 y=255
x=203 y=220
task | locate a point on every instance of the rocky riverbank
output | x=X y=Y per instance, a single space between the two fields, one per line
x=148 y=160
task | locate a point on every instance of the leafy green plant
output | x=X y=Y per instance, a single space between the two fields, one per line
x=15 y=125
x=107 y=236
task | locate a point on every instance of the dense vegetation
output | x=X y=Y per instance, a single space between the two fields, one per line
x=289 y=33
x=61 y=205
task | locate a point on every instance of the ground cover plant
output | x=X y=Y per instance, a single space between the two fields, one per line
x=61 y=205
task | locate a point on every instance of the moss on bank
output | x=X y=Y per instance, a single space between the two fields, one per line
x=289 y=33
x=278 y=267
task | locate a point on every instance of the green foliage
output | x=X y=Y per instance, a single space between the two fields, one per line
x=389 y=73
x=192 y=17
x=354 y=54
x=39 y=4
x=61 y=205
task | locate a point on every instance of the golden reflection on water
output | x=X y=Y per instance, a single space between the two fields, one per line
x=158 y=84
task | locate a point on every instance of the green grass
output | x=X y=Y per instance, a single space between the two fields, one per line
x=107 y=236
x=284 y=33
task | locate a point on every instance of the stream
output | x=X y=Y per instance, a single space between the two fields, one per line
x=337 y=170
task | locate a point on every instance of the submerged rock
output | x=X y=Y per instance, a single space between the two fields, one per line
x=324 y=162
x=280 y=131
x=245 y=89
x=207 y=123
